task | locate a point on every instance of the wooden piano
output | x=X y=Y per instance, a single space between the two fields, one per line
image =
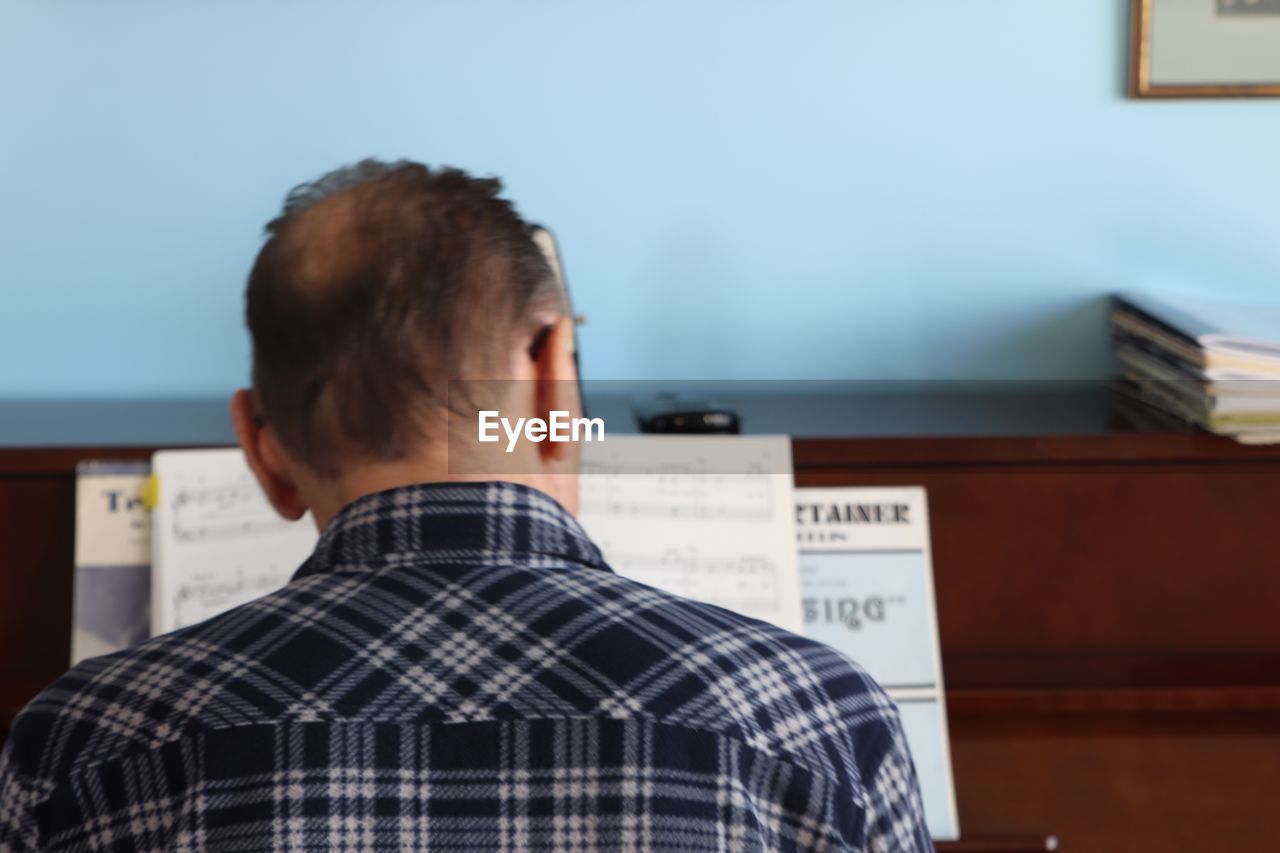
x=1109 y=596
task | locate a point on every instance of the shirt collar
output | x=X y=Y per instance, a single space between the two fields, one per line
x=493 y=523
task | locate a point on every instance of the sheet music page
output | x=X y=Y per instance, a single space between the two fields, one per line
x=867 y=573
x=705 y=517
x=216 y=542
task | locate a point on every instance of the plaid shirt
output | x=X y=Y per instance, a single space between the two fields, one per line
x=456 y=668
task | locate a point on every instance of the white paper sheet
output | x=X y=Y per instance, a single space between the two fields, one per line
x=705 y=517
x=216 y=542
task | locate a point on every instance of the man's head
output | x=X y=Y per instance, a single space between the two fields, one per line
x=379 y=287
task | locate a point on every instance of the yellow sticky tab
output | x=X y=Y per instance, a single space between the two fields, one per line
x=151 y=492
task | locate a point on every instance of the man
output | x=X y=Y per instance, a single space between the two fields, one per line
x=455 y=667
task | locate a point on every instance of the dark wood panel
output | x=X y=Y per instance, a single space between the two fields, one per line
x=1203 y=789
x=37 y=526
x=1111 y=669
x=1113 y=700
x=1059 y=560
x=60 y=461
x=16 y=690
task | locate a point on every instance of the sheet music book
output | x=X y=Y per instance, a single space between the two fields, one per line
x=216 y=542
x=1224 y=340
x=112 y=586
x=867 y=578
x=705 y=517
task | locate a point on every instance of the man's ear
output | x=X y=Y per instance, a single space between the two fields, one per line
x=266 y=460
x=556 y=374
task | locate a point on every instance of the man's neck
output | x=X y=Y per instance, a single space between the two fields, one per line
x=326 y=497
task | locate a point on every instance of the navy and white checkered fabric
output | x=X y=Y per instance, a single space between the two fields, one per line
x=456 y=668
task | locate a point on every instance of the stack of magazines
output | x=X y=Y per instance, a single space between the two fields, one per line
x=1214 y=365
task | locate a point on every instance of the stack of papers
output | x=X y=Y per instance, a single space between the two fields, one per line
x=1214 y=365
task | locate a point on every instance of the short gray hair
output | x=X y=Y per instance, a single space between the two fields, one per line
x=378 y=284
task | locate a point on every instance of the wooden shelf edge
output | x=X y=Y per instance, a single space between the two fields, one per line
x=1113 y=700
x=816 y=454
x=62 y=461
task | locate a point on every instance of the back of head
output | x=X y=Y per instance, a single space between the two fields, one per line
x=378 y=285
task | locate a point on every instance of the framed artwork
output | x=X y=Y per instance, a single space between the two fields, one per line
x=1204 y=48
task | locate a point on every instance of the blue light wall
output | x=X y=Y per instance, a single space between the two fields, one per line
x=742 y=189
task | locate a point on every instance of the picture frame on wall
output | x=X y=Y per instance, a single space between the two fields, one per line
x=1204 y=49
